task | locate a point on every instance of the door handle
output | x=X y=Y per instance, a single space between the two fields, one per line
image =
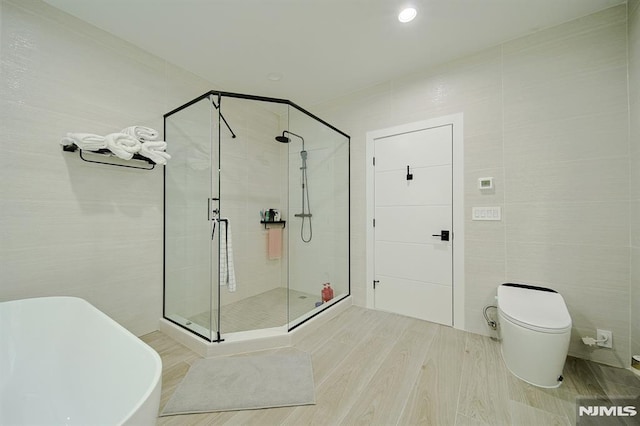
x=444 y=235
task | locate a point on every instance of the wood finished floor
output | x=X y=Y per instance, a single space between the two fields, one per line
x=375 y=368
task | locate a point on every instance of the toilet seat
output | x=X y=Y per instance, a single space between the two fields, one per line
x=535 y=308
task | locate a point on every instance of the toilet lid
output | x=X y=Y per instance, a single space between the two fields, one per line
x=534 y=308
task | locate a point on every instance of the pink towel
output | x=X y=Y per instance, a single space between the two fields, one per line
x=275 y=243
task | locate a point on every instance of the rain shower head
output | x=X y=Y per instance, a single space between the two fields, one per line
x=283 y=138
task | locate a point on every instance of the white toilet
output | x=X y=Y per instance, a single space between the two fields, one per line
x=535 y=327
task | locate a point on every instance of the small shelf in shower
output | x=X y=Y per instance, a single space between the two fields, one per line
x=274 y=222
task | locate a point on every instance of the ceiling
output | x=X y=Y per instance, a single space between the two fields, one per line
x=322 y=48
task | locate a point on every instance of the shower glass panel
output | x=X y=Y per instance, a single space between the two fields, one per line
x=256 y=215
x=318 y=228
x=253 y=177
x=190 y=187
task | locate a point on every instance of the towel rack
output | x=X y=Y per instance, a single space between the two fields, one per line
x=226 y=229
x=106 y=153
x=277 y=222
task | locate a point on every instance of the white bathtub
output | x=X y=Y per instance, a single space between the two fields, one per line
x=63 y=362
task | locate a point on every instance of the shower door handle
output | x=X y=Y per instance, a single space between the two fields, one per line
x=211 y=212
x=212 y=215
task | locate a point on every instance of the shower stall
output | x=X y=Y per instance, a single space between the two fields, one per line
x=256 y=215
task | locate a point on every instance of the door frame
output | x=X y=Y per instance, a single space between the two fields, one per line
x=458 y=282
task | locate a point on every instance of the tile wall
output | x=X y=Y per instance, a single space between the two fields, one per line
x=70 y=227
x=547 y=116
x=93 y=231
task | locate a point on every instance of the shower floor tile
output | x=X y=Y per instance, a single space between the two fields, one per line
x=264 y=310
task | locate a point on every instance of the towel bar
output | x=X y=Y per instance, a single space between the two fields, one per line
x=106 y=153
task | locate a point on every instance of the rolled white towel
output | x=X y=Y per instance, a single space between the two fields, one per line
x=122 y=145
x=85 y=141
x=142 y=133
x=154 y=150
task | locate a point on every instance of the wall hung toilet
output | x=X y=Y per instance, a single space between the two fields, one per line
x=535 y=328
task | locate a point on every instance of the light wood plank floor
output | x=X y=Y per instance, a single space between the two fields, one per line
x=376 y=368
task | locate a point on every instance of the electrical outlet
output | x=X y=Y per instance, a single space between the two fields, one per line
x=601 y=334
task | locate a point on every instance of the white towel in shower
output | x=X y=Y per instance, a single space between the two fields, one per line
x=154 y=150
x=123 y=145
x=141 y=133
x=85 y=141
x=227 y=270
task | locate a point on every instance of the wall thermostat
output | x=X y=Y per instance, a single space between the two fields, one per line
x=485 y=183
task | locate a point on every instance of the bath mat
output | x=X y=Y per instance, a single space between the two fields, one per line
x=244 y=383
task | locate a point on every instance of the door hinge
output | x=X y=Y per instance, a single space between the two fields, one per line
x=374 y=283
x=374 y=161
x=374 y=222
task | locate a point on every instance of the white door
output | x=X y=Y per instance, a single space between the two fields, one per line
x=413 y=206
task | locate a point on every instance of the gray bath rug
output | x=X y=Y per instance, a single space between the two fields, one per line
x=244 y=383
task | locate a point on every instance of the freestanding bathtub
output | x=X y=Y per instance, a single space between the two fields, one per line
x=63 y=362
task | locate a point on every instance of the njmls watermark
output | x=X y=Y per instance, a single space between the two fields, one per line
x=615 y=411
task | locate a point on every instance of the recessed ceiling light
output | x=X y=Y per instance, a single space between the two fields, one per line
x=407 y=15
x=274 y=76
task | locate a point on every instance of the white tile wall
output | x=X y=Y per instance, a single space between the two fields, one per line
x=69 y=227
x=567 y=173
x=633 y=28
x=547 y=116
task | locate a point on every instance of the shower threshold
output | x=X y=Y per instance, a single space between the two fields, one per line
x=182 y=330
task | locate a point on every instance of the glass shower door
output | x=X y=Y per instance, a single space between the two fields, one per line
x=191 y=265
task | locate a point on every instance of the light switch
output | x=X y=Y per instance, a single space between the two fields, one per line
x=486 y=213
